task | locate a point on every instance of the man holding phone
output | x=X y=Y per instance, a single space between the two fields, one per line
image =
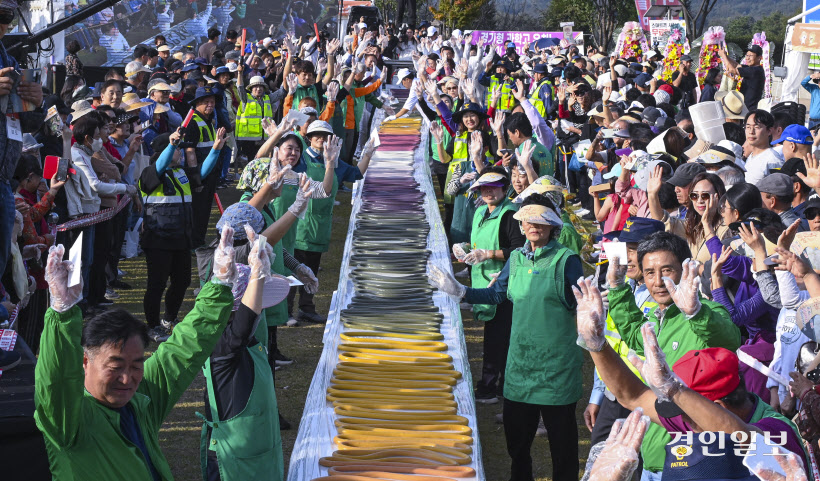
x=12 y=127
x=685 y=80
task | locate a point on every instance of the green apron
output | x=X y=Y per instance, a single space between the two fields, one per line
x=485 y=236
x=275 y=315
x=280 y=207
x=248 y=445
x=543 y=363
x=313 y=232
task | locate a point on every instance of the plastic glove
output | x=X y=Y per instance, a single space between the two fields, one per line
x=306 y=277
x=259 y=258
x=300 y=205
x=605 y=299
x=469 y=177
x=619 y=458
x=390 y=118
x=477 y=256
x=790 y=464
x=57 y=273
x=130 y=190
x=445 y=282
x=332 y=148
x=590 y=316
x=685 y=294
x=616 y=273
x=277 y=171
x=368 y=149
x=459 y=252
x=225 y=259
x=655 y=371
x=31 y=251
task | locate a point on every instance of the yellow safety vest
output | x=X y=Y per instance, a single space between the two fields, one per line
x=249 y=117
x=535 y=98
x=506 y=101
x=206 y=139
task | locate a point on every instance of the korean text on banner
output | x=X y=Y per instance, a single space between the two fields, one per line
x=520 y=39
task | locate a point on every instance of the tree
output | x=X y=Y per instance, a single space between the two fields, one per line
x=594 y=16
x=695 y=13
x=458 y=13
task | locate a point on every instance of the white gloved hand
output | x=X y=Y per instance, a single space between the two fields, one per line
x=590 y=318
x=615 y=273
x=459 y=252
x=477 y=256
x=655 y=370
x=300 y=205
x=368 y=149
x=306 y=277
x=32 y=251
x=277 y=171
x=332 y=148
x=225 y=259
x=469 y=177
x=57 y=273
x=389 y=118
x=260 y=256
x=445 y=282
x=619 y=458
x=789 y=463
x=685 y=294
x=130 y=190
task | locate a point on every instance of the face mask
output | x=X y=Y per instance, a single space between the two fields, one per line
x=97 y=145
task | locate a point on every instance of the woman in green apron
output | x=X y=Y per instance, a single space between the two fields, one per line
x=495 y=235
x=240 y=436
x=313 y=232
x=471 y=138
x=543 y=373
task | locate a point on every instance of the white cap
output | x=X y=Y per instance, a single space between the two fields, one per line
x=621 y=69
x=267 y=41
x=403 y=73
x=134 y=68
x=431 y=30
x=319 y=126
x=257 y=80
x=309 y=111
x=456 y=33
x=362 y=25
x=733 y=146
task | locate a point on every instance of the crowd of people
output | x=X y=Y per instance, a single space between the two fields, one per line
x=703 y=274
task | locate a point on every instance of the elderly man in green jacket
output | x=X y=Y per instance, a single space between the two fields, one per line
x=99 y=402
x=684 y=321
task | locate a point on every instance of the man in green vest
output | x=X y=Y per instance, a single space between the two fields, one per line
x=541 y=96
x=499 y=79
x=519 y=131
x=198 y=139
x=495 y=234
x=254 y=105
x=543 y=372
x=685 y=322
x=703 y=391
x=99 y=402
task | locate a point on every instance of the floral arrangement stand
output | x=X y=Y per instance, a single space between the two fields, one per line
x=676 y=46
x=713 y=40
x=631 y=42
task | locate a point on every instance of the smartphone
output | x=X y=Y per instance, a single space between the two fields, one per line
x=507 y=151
x=32 y=75
x=62 y=170
x=608 y=133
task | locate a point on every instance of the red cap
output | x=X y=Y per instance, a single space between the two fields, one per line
x=713 y=373
x=666 y=88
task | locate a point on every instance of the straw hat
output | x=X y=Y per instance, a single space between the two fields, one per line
x=733 y=103
x=257 y=80
x=80 y=108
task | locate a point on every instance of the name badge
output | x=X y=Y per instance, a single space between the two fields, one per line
x=14 y=130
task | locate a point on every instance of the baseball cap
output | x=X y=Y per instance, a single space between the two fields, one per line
x=713 y=372
x=792 y=166
x=757 y=49
x=812 y=204
x=777 y=183
x=685 y=174
x=685 y=58
x=134 y=68
x=643 y=80
x=636 y=229
x=651 y=114
x=795 y=133
x=403 y=73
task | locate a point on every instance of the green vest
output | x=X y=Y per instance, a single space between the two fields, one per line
x=249 y=118
x=569 y=237
x=275 y=315
x=302 y=92
x=506 y=101
x=485 y=236
x=248 y=445
x=445 y=139
x=313 y=232
x=535 y=98
x=542 y=156
x=463 y=204
x=280 y=207
x=206 y=138
x=544 y=362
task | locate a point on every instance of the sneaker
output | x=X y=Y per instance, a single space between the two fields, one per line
x=111 y=294
x=463 y=273
x=168 y=325
x=284 y=425
x=292 y=322
x=344 y=188
x=582 y=211
x=118 y=284
x=281 y=359
x=9 y=360
x=485 y=397
x=158 y=334
x=311 y=317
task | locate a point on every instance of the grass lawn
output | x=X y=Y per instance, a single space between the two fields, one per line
x=180 y=434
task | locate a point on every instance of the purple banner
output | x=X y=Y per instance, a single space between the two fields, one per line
x=521 y=39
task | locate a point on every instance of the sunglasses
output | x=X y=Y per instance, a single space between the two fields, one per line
x=704 y=196
x=6 y=17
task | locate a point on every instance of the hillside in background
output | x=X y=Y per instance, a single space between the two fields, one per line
x=727 y=9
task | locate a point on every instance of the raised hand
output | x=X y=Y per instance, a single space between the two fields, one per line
x=445 y=282
x=260 y=256
x=685 y=294
x=468 y=177
x=719 y=261
x=431 y=87
x=752 y=238
x=619 y=458
x=476 y=145
x=468 y=87
x=590 y=317
x=437 y=131
x=277 y=171
x=289 y=45
x=459 y=252
x=292 y=83
x=654 y=369
x=300 y=205
x=790 y=464
x=655 y=182
x=607 y=93
x=787 y=260
x=812 y=177
x=616 y=273
x=477 y=256
x=219 y=141
x=787 y=236
x=332 y=46
x=269 y=126
x=332 y=148
x=57 y=275
x=497 y=123
x=495 y=94
x=525 y=157
x=520 y=92
x=224 y=263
